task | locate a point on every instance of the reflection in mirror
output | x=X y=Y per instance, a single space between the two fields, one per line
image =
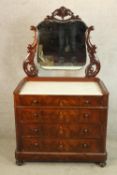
x=61 y=45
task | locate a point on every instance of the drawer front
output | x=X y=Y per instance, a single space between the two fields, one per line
x=61 y=100
x=81 y=145
x=31 y=115
x=62 y=131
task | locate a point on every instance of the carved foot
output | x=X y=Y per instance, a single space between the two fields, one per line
x=101 y=164
x=19 y=162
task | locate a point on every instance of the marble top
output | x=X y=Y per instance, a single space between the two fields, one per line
x=60 y=88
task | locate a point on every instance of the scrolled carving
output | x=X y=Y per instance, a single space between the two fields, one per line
x=62 y=12
x=29 y=65
x=94 y=66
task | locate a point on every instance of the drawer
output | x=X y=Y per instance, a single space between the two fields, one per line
x=62 y=131
x=46 y=115
x=42 y=145
x=48 y=100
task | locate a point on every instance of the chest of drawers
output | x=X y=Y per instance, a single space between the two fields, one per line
x=64 y=119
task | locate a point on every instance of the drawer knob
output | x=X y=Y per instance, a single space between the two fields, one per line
x=85 y=145
x=36 y=144
x=35 y=102
x=86 y=115
x=36 y=115
x=35 y=130
x=87 y=102
x=85 y=131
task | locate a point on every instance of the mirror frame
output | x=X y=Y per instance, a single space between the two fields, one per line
x=91 y=70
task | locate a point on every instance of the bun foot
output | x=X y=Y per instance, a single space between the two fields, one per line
x=101 y=164
x=19 y=162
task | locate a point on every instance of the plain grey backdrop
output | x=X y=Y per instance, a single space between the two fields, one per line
x=16 y=17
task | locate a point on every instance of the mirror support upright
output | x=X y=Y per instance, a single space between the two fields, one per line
x=91 y=69
x=29 y=65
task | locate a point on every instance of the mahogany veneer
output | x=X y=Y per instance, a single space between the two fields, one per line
x=61 y=127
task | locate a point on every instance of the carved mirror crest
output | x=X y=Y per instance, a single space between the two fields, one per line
x=61 y=41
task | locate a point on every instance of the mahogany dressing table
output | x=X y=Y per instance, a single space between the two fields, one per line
x=61 y=118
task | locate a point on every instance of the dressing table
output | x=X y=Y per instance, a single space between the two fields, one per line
x=61 y=118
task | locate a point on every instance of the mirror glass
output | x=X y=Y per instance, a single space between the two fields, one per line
x=61 y=45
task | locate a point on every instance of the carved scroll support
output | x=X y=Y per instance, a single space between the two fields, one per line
x=94 y=66
x=29 y=65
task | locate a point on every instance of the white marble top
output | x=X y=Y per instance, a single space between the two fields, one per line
x=60 y=88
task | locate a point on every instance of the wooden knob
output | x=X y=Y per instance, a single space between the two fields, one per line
x=36 y=115
x=35 y=130
x=85 y=145
x=85 y=131
x=36 y=144
x=87 y=102
x=86 y=115
x=35 y=102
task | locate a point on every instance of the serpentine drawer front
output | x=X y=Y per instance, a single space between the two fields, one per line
x=61 y=125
